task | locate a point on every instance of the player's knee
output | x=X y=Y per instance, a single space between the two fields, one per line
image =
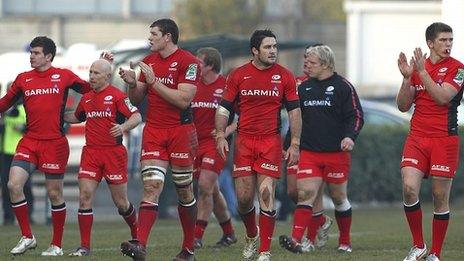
x=440 y=197
x=14 y=187
x=409 y=192
x=55 y=195
x=182 y=177
x=244 y=204
x=84 y=200
x=305 y=195
x=154 y=173
x=206 y=190
x=338 y=197
x=267 y=199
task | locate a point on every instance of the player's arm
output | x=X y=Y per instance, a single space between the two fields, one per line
x=223 y=112
x=441 y=94
x=137 y=90
x=11 y=97
x=407 y=92
x=132 y=122
x=295 y=122
x=180 y=97
x=76 y=116
x=353 y=118
x=69 y=117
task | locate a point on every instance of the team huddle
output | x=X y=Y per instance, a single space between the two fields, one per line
x=189 y=124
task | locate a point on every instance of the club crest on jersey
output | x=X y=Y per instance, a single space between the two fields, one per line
x=218 y=92
x=459 y=78
x=55 y=77
x=191 y=73
x=172 y=67
x=329 y=90
x=276 y=78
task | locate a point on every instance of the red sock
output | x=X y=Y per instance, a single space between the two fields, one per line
x=317 y=220
x=21 y=211
x=227 y=228
x=266 y=229
x=301 y=220
x=414 y=217
x=58 y=219
x=200 y=228
x=439 y=227
x=249 y=220
x=344 y=225
x=85 y=219
x=188 y=217
x=130 y=216
x=147 y=217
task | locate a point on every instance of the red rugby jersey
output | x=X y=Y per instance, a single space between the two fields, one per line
x=44 y=94
x=204 y=106
x=100 y=110
x=179 y=67
x=430 y=119
x=260 y=95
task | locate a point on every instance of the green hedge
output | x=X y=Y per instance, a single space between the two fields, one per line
x=375 y=172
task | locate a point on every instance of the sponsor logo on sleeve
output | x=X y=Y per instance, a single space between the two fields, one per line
x=191 y=73
x=129 y=105
x=459 y=78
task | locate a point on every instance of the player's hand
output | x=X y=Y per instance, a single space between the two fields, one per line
x=292 y=155
x=419 y=59
x=148 y=72
x=107 y=55
x=128 y=76
x=347 y=144
x=222 y=146
x=406 y=68
x=117 y=130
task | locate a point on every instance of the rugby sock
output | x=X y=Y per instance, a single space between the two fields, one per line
x=301 y=220
x=249 y=220
x=317 y=220
x=266 y=229
x=85 y=219
x=188 y=217
x=200 y=228
x=21 y=211
x=227 y=228
x=130 y=216
x=344 y=225
x=414 y=217
x=58 y=219
x=439 y=227
x=148 y=211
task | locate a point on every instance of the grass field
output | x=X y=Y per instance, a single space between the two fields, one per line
x=377 y=234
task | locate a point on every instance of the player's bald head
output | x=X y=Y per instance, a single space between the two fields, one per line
x=102 y=66
x=100 y=74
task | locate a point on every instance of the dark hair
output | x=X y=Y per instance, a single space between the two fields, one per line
x=258 y=36
x=165 y=26
x=434 y=29
x=46 y=43
x=212 y=57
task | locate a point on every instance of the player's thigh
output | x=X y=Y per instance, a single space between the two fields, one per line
x=208 y=181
